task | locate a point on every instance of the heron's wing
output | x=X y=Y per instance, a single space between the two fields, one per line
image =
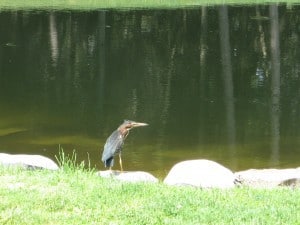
x=113 y=145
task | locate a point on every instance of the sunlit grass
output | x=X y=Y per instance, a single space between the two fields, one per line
x=43 y=197
x=69 y=161
x=95 y=4
x=76 y=195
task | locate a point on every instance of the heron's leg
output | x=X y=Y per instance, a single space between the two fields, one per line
x=120 y=161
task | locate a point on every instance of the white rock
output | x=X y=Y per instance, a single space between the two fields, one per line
x=129 y=176
x=267 y=178
x=28 y=161
x=200 y=173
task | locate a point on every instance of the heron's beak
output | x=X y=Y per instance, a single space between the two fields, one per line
x=137 y=124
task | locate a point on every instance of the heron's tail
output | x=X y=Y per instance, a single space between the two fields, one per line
x=109 y=162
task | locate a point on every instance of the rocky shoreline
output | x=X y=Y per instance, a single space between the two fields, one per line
x=197 y=173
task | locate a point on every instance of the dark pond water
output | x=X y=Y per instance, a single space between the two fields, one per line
x=221 y=83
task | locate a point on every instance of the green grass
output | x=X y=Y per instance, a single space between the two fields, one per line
x=74 y=195
x=98 y=4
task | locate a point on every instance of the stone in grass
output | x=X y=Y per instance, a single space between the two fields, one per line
x=269 y=178
x=200 y=173
x=27 y=161
x=293 y=183
x=129 y=176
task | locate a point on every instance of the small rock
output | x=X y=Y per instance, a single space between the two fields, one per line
x=129 y=176
x=293 y=183
x=269 y=178
x=200 y=173
x=27 y=161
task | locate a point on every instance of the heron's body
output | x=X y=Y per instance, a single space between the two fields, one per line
x=112 y=146
x=115 y=142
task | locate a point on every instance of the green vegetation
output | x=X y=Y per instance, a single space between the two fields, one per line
x=74 y=195
x=94 y=4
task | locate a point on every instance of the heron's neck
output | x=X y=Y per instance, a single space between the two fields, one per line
x=124 y=132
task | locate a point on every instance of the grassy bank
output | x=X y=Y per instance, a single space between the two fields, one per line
x=77 y=196
x=95 y=4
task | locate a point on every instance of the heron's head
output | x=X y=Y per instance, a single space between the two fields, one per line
x=129 y=124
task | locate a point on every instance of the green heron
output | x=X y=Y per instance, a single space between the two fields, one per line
x=115 y=142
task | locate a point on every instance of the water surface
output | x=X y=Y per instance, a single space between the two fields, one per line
x=220 y=83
